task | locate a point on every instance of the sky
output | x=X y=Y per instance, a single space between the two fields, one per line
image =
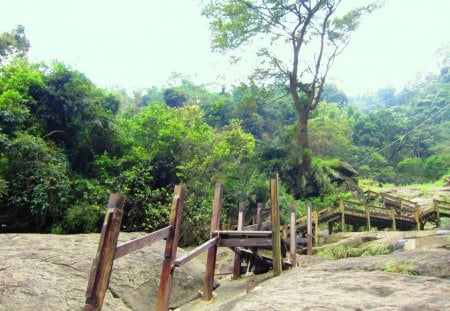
x=136 y=44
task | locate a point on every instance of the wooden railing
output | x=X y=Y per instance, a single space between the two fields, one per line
x=108 y=251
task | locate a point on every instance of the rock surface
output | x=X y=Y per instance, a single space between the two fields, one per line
x=50 y=272
x=416 y=279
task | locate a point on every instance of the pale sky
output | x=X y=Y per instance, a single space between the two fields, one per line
x=136 y=44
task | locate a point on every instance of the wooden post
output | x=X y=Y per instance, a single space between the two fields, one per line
x=212 y=252
x=275 y=218
x=237 y=257
x=342 y=208
x=258 y=215
x=103 y=262
x=368 y=217
x=417 y=217
x=309 y=229
x=316 y=227
x=293 y=246
x=392 y=213
x=170 y=252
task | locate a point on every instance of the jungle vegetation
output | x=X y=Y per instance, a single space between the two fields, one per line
x=66 y=144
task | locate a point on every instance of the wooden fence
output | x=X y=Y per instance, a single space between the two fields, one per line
x=239 y=241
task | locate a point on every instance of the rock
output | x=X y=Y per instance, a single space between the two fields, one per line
x=345 y=176
x=346 y=169
x=50 y=272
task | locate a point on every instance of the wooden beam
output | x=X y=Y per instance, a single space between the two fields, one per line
x=103 y=262
x=275 y=218
x=170 y=252
x=195 y=252
x=148 y=239
x=243 y=234
x=253 y=242
x=212 y=251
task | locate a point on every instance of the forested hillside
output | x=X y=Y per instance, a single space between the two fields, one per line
x=66 y=144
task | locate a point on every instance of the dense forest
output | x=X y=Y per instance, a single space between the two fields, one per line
x=66 y=144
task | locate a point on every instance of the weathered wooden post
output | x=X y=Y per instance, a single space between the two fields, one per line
x=342 y=209
x=275 y=218
x=392 y=214
x=368 y=218
x=293 y=246
x=417 y=213
x=170 y=252
x=237 y=257
x=316 y=226
x=258 y=215
x=438 y=213
x=212 y=252
x=103 y=262
x=309 y=229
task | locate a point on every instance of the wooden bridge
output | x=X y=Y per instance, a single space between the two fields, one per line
x=246 y=241
x=391 y=213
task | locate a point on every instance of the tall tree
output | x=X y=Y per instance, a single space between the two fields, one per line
x=13 y=43
x=299 y=42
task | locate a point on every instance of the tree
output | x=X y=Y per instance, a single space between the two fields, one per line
x=13 y=43
x=312 y=35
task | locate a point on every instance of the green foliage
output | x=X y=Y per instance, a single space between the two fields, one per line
x=331 y=131
x=13 y=43
x=409 y=170
x=403 y=268
x=436 y=166
x=342 y=251
x=38 y=189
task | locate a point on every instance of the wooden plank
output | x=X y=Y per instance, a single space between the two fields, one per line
x=255 y=227
x=253 y=242
x=212 y=251
x=103 y=262
x=146 y=240
x=195 y=252
x=170 y=252
x=235 y=234
x=275 y=218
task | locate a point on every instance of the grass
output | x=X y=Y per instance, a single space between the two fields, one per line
x=403 y=268
x=344 y=251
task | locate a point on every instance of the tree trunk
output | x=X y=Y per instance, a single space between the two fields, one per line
x=302 y=138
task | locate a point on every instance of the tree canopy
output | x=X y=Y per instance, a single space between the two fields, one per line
x=298 y=43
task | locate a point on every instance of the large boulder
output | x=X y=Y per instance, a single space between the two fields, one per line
x=346 y=177
x=50 y=272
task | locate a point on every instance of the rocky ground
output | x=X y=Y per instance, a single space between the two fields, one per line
x=416 y=277
x=50 y=272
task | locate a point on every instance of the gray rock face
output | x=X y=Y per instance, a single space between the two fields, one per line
x=50 y=272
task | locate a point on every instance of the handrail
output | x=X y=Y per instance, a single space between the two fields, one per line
x=195 y=252
x=134 y=245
